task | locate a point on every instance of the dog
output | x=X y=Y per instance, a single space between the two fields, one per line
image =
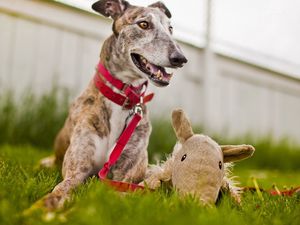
x=141 y=48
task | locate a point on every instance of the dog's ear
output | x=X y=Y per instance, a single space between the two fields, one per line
x=233 y=153
x=162 y=7
x=111 y=8
x=181 y=125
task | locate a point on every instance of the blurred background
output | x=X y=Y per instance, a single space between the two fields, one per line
x=240 y=85
x=242 y=78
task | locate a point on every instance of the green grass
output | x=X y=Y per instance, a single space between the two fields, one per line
x=28 y=127
x=22 y=183
x=31 y=119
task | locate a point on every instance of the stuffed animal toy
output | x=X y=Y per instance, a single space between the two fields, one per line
x=198 y=166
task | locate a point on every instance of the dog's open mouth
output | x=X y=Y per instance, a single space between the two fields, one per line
x=157 y=74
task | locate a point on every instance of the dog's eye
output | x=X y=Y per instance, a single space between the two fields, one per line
x=171 y=29
x=220 y=164
x=144 y=25
x=183 y=157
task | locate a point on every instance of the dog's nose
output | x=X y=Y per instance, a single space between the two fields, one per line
x=177 y=59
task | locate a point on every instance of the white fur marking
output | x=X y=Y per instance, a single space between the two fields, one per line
x=100 y=150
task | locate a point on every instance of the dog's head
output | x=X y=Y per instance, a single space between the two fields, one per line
x=144 y=39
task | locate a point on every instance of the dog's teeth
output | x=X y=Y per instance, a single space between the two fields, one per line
x=159 y=73
x=143 y=60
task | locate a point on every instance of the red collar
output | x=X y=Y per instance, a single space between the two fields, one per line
x=128 y=95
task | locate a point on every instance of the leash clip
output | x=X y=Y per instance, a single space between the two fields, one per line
x=138 y=109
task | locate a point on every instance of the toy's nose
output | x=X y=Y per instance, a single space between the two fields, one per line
x=177 y=59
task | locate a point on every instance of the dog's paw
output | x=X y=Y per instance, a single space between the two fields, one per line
x=54 y=201
x=48 y=162
x=48 y=208
x=48 y=203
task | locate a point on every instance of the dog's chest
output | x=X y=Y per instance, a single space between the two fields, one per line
x=117 y=123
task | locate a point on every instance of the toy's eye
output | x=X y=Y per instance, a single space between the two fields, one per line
x=220 y=164
x=144 y=25
x=183 y=157
x=171 y=29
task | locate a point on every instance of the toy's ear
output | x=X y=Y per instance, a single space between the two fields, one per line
x=111 y=8
x=161 y=6
x=181 y=125
x=233 y=153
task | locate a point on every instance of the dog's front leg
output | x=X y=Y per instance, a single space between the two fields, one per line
x=78 y=165
x=132 y=165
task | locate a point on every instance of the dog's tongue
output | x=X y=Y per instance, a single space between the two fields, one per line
x=155 y=71
x=152 y=68
x=158 y=72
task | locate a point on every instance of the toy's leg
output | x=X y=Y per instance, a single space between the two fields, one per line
x=156 y=174
x=230 y=187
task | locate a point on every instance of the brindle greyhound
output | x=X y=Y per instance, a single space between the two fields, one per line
x=140 y=48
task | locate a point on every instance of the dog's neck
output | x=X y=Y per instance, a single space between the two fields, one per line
x=117 y=64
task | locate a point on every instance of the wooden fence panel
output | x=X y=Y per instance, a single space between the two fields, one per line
x=47 y=58
x=7 y=26
x=37 y=50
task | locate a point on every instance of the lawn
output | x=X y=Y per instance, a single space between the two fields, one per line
x=28 y=127
x=22 y=183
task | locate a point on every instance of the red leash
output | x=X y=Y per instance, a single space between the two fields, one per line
x=117 y=151
x=275 y=191
x=129 y=97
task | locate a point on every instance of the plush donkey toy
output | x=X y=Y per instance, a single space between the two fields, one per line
x=198 y=166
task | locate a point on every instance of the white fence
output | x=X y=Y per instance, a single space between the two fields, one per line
x=42 y=43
